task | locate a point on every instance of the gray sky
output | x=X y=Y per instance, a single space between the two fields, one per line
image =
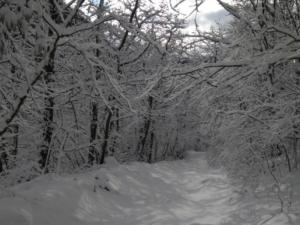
x=210 y=14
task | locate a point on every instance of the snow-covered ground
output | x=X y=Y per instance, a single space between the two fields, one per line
x=185 y=192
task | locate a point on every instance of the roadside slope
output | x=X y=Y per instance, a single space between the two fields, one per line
x=185 y=192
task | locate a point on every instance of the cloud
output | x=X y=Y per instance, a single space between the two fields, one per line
x=208 y=19
x=220 y=16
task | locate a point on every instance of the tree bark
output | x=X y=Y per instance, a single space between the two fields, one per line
x=106 y=136
x=49 y=100
x=48 y=118
x=295 y=150
x=93 y=156
x=146 y=129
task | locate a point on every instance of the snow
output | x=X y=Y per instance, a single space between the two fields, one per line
x=185 y=192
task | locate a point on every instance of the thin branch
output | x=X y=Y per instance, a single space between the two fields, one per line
x=211 y=65
x=137 y=57
x=130 y=21
x=73 y=14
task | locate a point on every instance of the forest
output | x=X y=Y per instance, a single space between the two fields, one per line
x=83 y=82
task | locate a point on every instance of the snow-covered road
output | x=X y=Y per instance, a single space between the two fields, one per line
x=185 y=192
x=177 y=193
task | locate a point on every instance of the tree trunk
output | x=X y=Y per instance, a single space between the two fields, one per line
x=287 y=157
x=49 y=100
x=295 y=150
x=106 y=136
x=93 y=156
x=151 y=153
x=141 y=150
x=48 y=119
x=14 y=152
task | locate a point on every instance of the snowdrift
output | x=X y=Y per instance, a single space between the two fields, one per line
x=185 y=192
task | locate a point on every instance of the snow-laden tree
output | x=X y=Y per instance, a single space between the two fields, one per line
x=40 y=75
x=80 y=81
x=252 y=88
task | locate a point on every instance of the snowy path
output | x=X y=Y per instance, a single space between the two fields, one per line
x=202 y=196
x=183 y=192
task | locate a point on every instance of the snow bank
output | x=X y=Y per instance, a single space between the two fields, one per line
x=167 y=193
